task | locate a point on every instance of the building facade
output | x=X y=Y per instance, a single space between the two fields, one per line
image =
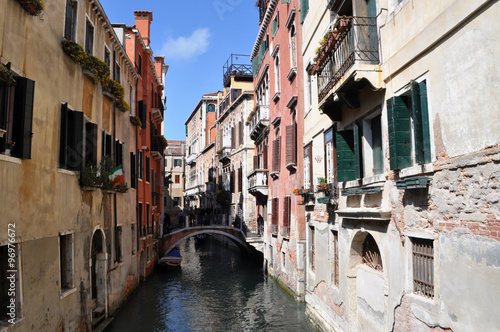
x=235 y=150
x=389 y=240
x=200 y=134
x=150 y=143
x=278 y=82
x=65 y=127
x=173 y=203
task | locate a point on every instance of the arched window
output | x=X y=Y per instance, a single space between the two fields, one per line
x=371 y=254
x=293 y=47
x=277 y=74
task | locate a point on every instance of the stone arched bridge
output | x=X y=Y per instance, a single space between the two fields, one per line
x=170 y=240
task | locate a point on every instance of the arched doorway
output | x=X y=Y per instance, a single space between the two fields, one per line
x=98 y=276
x=366 y=282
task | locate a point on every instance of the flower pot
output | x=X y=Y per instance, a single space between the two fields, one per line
x=7 y=152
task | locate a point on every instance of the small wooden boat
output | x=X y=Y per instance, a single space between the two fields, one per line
x=171 y=261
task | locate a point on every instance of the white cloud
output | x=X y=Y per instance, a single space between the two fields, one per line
x=187 y=48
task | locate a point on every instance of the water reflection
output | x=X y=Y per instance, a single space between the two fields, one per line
x=217 y=289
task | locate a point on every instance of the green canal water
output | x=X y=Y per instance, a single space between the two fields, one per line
x=217 y=289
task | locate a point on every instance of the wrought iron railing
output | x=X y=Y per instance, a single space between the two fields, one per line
x=262 y=5
x=259 y=119
x=237 y=65
x=352 y=40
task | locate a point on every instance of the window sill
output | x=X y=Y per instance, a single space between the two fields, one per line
x=416 y=170
x=67 y=172
x=67 y=292
x=10 y=159
x=275 y=174
x=276 y=97
x=291 y=166
x=373 y=179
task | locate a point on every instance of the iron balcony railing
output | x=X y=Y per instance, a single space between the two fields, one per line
x=352 y=40
x=237 y=65
x=225 y=153
x=259 y=121
x=262 y=5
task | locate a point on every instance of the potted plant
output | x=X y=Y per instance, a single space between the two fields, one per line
x=106 y=166
x=303 y=191
x=9 y=147
x=323 y=185
x=295 y=191
x=136 y=121
x=74 y=51
x=122 y=187
x=89 y=177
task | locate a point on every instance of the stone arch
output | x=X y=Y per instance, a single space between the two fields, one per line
x=365 y=285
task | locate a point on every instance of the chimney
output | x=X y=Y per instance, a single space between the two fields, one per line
x=143 y=21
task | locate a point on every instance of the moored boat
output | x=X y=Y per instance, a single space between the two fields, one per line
x=171 y=261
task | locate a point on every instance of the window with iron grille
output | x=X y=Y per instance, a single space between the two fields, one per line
x=371 y=253
x=423 y=267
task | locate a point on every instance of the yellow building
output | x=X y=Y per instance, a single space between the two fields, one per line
x=73 y=242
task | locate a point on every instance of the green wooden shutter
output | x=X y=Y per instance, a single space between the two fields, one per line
x=23 y=117
x=378 y=158
x=398 y=118
x=304 y=8
x=358 y=152
x=426 y=136
x=346 y=168
x=285 y=1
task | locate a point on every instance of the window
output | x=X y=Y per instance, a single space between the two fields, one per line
x=311 y=248
x=293 y=47
x=308 y=91
x=359 y=149
x=291 y=143
x=133 y=174
x=371 y=253
x=118 y=153
x=274 y=215
x=141 y=165
x=177 y=201
x=139 y=65
x=277 y=75
x=66 y=261
x=9 y=262
x=70 y=20
x=16 y=116
x=287 y=205
x=141 y=230
x=335 y=265
x=177 y=179
x=423 y=267
x=304 y=8
x=329 y=156
x=89 y=38
x=116 y=73
x=78 y=140
x=211 y=108
x=119 y=233
x=147 y=218
x=408 y=125
x=107 y=57
x=308 y=167
x=276 y=154
x=134 y=240
x=275 y=24
x=148 y=176
x=177 y=162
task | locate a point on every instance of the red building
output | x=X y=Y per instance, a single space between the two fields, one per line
x=277 y=129
x=150 y=142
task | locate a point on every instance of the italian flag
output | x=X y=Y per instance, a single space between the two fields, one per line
x=116 y=176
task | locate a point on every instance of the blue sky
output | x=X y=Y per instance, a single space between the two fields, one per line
x=196 y=37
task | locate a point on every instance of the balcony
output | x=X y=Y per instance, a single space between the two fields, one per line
x=193 y=191
x=157 y=114
x=191 y=159
x=157 y=148
x=258 y=121
x=225 y=154
x=238 y=66
x=348 y=61
x=257 y=182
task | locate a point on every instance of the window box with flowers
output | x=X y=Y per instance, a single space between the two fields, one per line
x=6 y=78
x=136 y=121
x=34 y=7
x=123 y=106
x=162 y=140
x=323 y=185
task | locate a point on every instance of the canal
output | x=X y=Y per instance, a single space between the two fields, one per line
x=216 y=289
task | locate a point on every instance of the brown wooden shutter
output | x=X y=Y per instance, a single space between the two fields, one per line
x=255 y=162
x=265 y=153
x=286 y=211
x=276 y=155
x=233 y=138
x=290 y=144
x=274 y=215
x=240 y=180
